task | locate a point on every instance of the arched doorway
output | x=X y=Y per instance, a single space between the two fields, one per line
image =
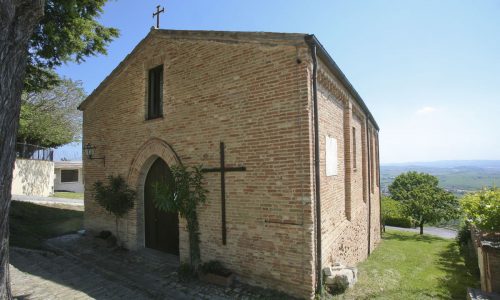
x=161 y=228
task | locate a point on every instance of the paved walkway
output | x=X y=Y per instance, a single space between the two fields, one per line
x=47 y=200
x=85 y=267
x=441 y=232
x=44 y=275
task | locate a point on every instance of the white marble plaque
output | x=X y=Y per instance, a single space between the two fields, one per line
x=331 y=156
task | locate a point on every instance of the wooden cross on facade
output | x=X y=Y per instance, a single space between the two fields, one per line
x=222 y=170
x=157 y=14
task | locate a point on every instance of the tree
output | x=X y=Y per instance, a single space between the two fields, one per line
x=36 y=35
x=482 y=209
x=49 y=118
x=115 y=197
x=183 y=196
x=68 y=31
x=422 y=198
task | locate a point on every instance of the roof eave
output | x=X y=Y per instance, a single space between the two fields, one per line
x=334 y=68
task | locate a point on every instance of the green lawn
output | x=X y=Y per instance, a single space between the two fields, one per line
x=409 y=266
x=69 y=195
x=30 y=223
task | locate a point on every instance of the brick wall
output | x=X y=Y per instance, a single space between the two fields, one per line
x=252 y=96
x=255 y=95
x=344 y=197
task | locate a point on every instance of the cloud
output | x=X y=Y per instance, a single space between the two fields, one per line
x=426 y=110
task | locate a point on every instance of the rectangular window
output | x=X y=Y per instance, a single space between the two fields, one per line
x=155 y=92
x=354 y=162
x=69 y=175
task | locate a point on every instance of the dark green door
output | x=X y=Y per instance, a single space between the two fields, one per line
x=161 y=228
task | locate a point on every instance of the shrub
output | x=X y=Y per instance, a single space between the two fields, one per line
x=467 y=249
x=404 y=222
x=215 y=267
x=482 y=209
x=463 y=234
x=393 y=214
x=115 y=197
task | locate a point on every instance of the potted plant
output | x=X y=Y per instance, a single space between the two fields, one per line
x=215 y=273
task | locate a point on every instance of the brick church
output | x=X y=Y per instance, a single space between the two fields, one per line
x=292 y=147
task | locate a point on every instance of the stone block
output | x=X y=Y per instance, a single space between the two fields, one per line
x=344 y=276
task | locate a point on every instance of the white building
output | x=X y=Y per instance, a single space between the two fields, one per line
x=68 y=176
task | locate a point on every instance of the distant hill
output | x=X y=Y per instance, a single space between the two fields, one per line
x=457 y=176
x=495 y=164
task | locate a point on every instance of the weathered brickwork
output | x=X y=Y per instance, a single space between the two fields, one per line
x=253 y=92
x=344 y=197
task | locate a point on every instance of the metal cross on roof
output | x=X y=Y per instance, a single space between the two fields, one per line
x=157 y=15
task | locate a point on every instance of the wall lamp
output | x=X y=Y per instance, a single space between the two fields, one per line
x=89 y=151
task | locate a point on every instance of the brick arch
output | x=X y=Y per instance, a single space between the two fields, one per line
x=145 y=157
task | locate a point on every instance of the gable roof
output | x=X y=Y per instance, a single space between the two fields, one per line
x=269 y=38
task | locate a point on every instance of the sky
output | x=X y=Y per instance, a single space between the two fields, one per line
x=429 y=71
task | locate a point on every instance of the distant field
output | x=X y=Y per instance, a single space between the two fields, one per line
x=469 y=180
x=458 y=179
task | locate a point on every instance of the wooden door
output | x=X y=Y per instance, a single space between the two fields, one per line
x=161 y=228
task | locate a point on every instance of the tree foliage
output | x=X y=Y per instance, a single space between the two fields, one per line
x=390 y=208
x=482 y=209
x=49 y=118
x=422 y=198
x=393 y=214
x=115 y=197
x=183 y=195
x=68 y=31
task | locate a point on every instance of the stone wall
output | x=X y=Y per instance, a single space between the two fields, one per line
x=255 y=98
x=33 y=177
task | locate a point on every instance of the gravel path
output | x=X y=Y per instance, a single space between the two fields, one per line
x=440 y=232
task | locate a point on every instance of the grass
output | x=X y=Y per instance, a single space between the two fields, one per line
x=410 y=266
x=69 y=195
x=30 y=224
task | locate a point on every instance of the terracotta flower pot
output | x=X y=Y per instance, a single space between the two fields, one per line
x=216 y=279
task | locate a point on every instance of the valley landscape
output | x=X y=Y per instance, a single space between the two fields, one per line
x=456 y=176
